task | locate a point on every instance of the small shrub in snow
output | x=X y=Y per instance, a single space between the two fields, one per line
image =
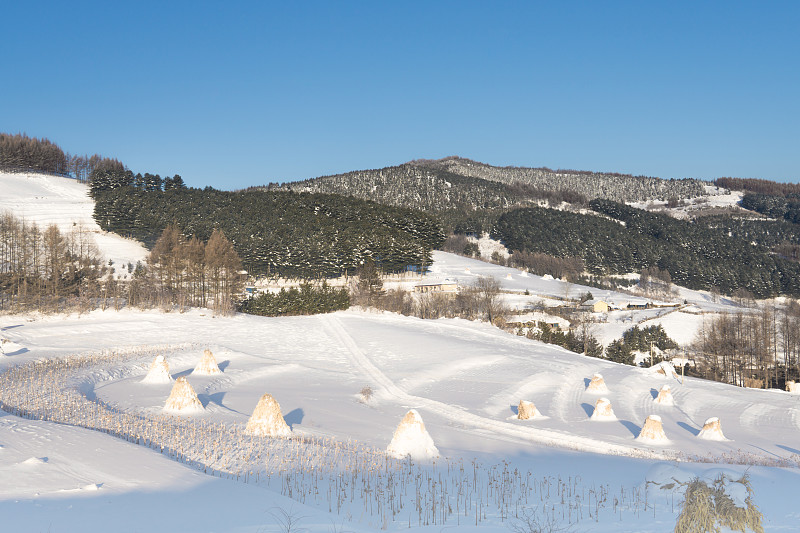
x=366 y=393
x=707 y=508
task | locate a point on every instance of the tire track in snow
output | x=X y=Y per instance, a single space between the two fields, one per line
x=360 y=361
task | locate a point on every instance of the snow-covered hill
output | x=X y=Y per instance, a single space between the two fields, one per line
x=65 y=202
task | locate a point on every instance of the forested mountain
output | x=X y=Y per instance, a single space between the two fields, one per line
x=461 y=184
x=278 y=233
x=705 y=253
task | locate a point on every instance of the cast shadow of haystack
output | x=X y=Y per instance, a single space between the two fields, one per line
x=295 y=416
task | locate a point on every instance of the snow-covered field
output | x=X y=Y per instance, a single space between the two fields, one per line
x=465 y=379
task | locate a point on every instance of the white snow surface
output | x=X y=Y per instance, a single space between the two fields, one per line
x=464 y=378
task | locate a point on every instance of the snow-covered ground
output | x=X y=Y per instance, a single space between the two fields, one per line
x=465 y=379
x=65 y=202
x=714 y=200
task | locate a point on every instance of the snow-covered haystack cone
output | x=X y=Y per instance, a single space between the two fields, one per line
x=207 y=365
x=793 y=387
x=267 y=420
x=412 y=439
x=527 y=410
x=665 y=369
x=467 y=271
x=508 y=276
x=159 y=371
x=665 y=396
x=712 y=430
x=597 y=384
x=7 y=346
x=183 y=399
x=653 y=431
x=603 y=410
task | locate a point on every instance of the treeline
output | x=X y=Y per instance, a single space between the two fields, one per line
x=698 y=254
x=583 y=343
x=308 y=299
x=758 y=349
x=306 y=236
x=45 y=269
x=22 y=153
x=612 y=186
x=772 y=188
x=111 y=174
x=781 y=207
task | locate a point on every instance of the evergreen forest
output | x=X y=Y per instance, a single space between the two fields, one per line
x=306 y=236
x=703 y=253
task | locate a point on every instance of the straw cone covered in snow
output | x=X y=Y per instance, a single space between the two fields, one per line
x=183 y=398
x=665 y=369
x=712 y=430
x=665 y=396
x=597 y=384
x=267 y=420
x=603 y=410
x=207 y=365
x=527 y=410
x=159 y=371
x=653 y=430
x=412 y=439
x=793 y=386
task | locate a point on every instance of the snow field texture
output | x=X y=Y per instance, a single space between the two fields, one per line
x=217 y=443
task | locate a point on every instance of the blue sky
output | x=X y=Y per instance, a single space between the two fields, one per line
x=237 y=94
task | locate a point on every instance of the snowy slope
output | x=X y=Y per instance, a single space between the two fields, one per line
x=47 y=200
